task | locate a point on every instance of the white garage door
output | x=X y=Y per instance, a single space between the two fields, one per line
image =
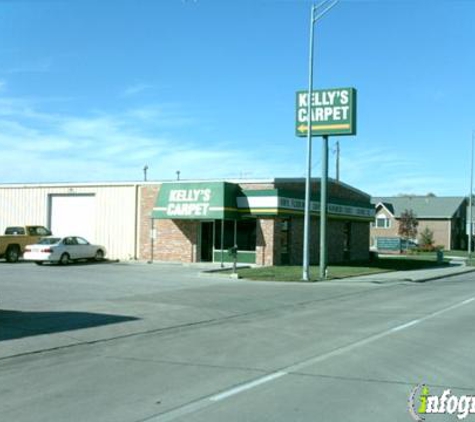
x=73 y=215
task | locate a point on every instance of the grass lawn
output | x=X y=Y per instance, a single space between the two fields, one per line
x=462 y=254
x=457 y=254
x=294 y=273
x=432 y=255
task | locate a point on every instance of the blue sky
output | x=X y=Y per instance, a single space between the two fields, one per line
x=94 y=90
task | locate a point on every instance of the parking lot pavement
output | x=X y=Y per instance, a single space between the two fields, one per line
x=50 y=307
x=131 y=342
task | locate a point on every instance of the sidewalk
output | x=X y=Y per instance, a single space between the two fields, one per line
x=414 y=276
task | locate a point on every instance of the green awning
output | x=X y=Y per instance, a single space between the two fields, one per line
x=224 y=200
x=197 y=201
x=279 y=202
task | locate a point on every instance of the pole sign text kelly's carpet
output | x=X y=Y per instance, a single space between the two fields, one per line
x=332 y=112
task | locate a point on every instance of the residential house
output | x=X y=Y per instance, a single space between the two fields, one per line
x=445 y=216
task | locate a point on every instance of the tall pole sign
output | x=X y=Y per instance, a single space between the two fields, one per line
x=324 y=112
x=332 y=111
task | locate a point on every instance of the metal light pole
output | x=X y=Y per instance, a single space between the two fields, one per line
x=323 y=209
x=317 y=13
x=337 y=161
x=470 y=204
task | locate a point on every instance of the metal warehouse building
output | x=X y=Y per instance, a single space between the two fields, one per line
x=196 y=221
x=102 y=213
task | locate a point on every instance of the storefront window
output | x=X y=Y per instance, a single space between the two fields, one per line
x=246 y=234
x=285 y=241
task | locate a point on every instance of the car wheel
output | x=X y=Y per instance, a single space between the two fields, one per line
x=13 y=254
x=64 y=260
x=39 y=262
x=99 y=255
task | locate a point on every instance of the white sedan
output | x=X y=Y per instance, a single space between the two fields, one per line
x=63 y=250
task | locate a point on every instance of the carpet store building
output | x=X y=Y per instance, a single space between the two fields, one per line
x=196 y=221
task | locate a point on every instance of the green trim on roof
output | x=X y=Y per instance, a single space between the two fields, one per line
x=224 y=200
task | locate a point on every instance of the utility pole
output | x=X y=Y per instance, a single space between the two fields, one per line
x=337 y=161
x=323 y=210
x=470 y=205
x=317 y=12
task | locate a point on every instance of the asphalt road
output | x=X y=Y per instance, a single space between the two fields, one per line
x=118 y=342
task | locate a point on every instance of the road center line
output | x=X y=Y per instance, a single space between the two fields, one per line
x=404 y=326
x=248 y=386
x=208 y=401
x=371 y=339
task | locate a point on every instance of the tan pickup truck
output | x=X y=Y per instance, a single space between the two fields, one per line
x=13 y=242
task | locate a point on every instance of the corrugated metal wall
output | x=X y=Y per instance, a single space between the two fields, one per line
x=115 y=212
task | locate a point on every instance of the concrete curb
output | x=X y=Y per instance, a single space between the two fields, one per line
x=410 y=279
x=372 y=278
x=438 y=277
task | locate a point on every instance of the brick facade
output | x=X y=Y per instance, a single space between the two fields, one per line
x=174 y=240
x=147 y=197
x=359 y=241
x=440 y=228
x=179 y=240
x=268 y=247
x=358 y=247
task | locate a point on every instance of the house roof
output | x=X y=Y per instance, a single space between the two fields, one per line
x=422 y=206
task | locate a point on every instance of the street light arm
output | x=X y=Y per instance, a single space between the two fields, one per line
x=326 y=5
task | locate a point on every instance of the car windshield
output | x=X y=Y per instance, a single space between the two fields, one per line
x=49 y=240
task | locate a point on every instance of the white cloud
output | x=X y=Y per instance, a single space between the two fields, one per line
x=42 y=147
x=23 y=108
x=388 y=172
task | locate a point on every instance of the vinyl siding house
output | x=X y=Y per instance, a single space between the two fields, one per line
x=446 y=217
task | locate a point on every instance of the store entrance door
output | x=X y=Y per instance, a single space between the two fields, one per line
x=207 y=230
